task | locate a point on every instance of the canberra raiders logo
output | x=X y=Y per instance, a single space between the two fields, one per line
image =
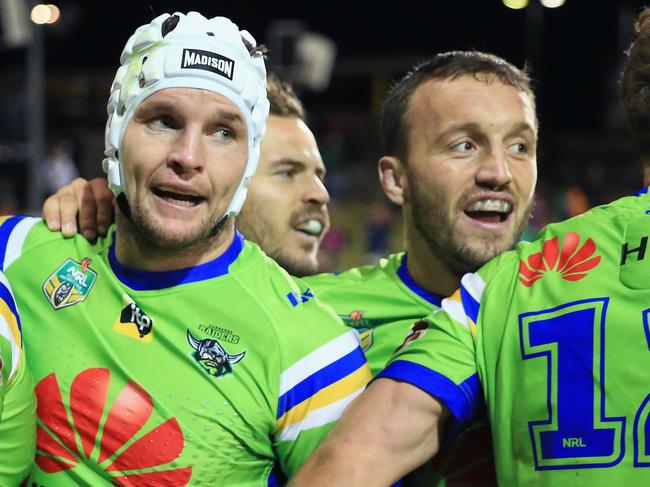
x=70 y=283
x=211 y=355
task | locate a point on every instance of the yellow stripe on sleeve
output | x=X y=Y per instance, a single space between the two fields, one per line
x=11 y=320
x=328 y=395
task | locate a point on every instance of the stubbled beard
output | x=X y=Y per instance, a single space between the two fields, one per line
x=460 y=253
x=156 y=234
x=261 y=232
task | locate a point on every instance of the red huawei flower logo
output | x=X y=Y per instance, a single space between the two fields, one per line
x=59 y=442
x=572 y=264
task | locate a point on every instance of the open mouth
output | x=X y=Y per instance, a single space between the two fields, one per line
x=312 y=227
x=489 y=210
x=176 y=197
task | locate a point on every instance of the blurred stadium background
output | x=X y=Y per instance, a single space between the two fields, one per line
x=342 y=56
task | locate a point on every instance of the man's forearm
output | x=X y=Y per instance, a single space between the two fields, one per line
x=387 y=432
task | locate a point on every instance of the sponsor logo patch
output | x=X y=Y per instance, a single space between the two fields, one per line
x=208 y=61
x=117 y=435
x=366 y=326
x=70 y=283
x=295 y=299
x=366 y=333
x=417 y=331
x=571 y=262
x=212 y=357
x=133 y=322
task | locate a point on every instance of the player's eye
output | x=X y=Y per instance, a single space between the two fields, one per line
x=518 y=148
x=463 y=147
x=225 y=134
x=287 y=173
x=162 y=122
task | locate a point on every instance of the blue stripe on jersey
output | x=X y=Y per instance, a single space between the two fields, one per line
x=277 y=477
x=470 y=305
x=149 y=281
x=321 y=379
x=461 y=399
x=641 y=191
x=272 y=481
x=5 y=232
x=6 y=296
x=407 y=279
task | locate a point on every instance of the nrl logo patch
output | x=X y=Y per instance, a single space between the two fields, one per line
x=211 y=355
x=208 y=61
x=70 y=283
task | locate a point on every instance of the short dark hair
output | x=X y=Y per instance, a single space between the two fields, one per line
x=635 y=83
x=282 y=98
x=449 y=65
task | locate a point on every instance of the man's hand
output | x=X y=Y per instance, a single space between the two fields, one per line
x=391 y=429
x=91 y=201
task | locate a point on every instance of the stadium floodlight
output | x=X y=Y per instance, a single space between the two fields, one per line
x=552 y=3
x=55 y=13
x=40 y=14
x=45 y=13
x=515 y=4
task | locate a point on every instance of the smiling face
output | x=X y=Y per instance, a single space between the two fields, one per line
x=184 y=152
x=471 y=169
x=286 y=209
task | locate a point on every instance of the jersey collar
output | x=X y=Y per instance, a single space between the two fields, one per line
x=407 y=279
x=641 y=191
x=139 y=280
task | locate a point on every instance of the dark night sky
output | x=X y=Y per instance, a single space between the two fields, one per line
x=575 y=53
x=575 y=50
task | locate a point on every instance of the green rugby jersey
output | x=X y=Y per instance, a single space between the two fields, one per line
x=17 y=402
x=382 y=301
x=558 y=332
x=227 y=373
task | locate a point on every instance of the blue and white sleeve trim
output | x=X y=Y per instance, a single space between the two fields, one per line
x=461 y=399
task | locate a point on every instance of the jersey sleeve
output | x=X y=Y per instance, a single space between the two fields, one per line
x=17 y=402
x=439 y=355
x=11 y=349
x=324 y=371
x=13 y=236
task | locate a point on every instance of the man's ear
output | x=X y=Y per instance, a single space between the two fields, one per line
x=393 y=179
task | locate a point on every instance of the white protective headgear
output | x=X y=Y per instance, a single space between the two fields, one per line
x=188 y=51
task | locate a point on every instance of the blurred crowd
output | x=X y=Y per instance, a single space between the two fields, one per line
x=576 y=172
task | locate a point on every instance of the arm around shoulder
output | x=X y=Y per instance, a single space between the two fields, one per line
x=389 y=430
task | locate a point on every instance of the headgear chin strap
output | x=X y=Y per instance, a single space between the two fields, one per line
x=188 y=51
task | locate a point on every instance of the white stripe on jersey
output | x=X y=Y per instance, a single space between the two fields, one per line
x=5 y=281
x=318 y=417
x=17 y=239
x=318 y=359
x=5 y=331
x=474 y=285
x=455 y=309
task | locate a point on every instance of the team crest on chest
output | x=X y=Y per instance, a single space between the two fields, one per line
x=69 y=284
x=211 y=355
